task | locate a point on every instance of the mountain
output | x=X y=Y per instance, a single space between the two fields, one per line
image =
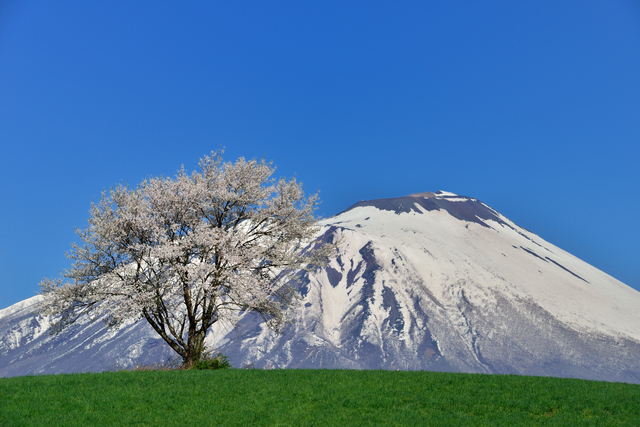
x=431 y=281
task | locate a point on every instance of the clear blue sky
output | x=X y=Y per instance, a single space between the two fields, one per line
x=532 y=107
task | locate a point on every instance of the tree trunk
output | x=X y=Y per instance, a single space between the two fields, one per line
x=194 y=351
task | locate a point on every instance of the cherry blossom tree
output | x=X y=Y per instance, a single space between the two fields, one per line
x=189 y=251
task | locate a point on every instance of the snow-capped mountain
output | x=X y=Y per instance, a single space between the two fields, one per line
x=431 y=281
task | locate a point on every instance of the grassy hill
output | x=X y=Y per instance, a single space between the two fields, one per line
x=312 y=397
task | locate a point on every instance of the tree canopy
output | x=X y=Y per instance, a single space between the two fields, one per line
x=189 y=251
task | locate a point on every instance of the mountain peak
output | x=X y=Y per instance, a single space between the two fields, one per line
x=460 y=207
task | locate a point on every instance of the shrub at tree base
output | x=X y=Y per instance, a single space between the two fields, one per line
x=219 y=362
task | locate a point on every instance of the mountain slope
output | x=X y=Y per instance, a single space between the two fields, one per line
x=26 y=347
x=429 y=281
x=443 y=282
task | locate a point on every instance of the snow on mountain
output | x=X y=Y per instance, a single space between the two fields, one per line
x=432 y=281
x=27 y=348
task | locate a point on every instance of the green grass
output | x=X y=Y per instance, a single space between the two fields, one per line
x=312 y=397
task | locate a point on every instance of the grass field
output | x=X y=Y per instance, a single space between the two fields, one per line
x=312 y=397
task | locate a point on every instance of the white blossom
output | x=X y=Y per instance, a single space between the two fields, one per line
x=189 y=251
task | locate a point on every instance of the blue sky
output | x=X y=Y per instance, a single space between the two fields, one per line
x=532 y=107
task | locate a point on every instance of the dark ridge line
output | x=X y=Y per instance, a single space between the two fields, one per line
x=566 y=269
x=533 y=253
